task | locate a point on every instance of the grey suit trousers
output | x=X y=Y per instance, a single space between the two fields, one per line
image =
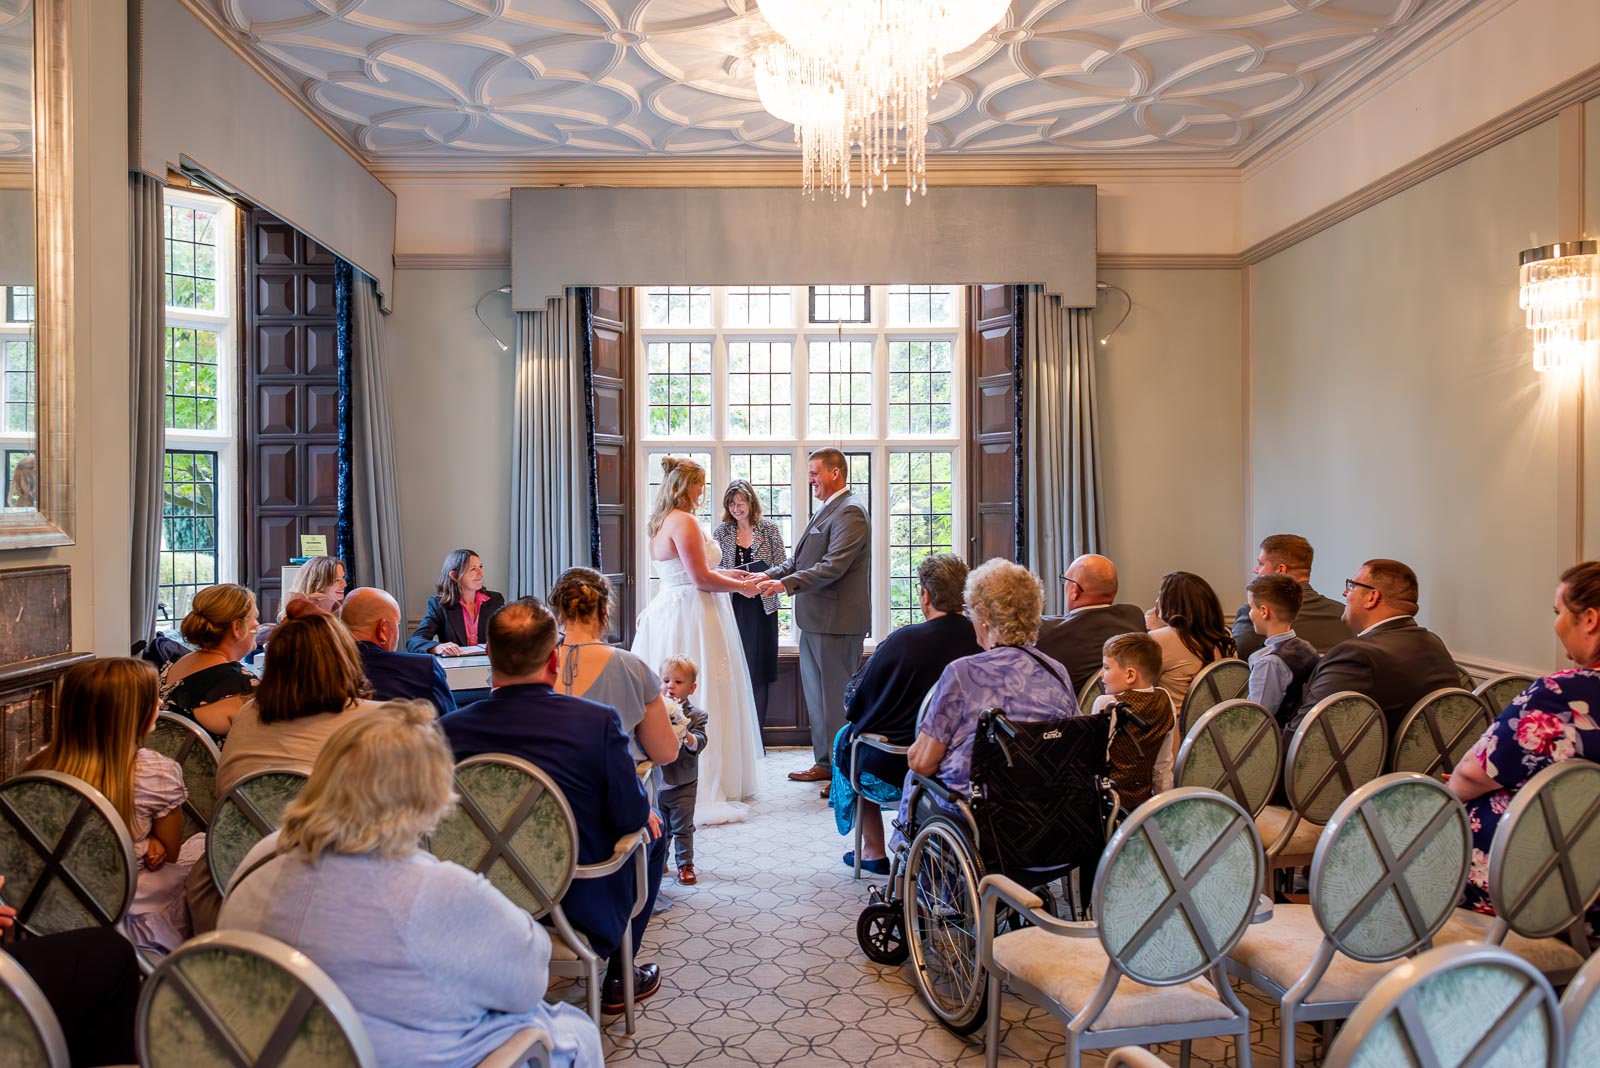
x=826 y=663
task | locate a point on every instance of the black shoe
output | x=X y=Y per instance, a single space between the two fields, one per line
x=874 y=867
x=646 y=981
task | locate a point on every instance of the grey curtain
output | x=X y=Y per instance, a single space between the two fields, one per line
x=147 y=367
x=1063 y=509
x=549 y=456
x=374 y=485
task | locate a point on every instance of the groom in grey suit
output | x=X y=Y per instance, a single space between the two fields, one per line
x=830 y=575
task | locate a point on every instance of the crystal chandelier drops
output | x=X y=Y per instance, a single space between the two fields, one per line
x=1560 y=293
x=857 y=75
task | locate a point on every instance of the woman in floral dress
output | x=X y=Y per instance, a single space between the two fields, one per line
x=1550 y=721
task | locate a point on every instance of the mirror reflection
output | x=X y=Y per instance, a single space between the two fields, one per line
x=18 y=350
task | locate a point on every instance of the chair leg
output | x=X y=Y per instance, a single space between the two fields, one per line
x=858 y=836
x=594 y=991
x=1184 y=1051
x=627 y=982
x=1286 y=1027
x=991 y=1026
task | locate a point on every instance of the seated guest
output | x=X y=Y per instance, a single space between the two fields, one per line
x=1279 y=669
x=441 y=967
x=1552 y=720
x=1321 y=619
x=373 y=619
x=887 y=694
x=581 y=745
x=104 y=711
x=458 y=612
x=1077 y=638
x=1187 y=623
x=1004 y=602
x=1391 y=659
x=1142 y=737
x=210 y=685
x=321 y=577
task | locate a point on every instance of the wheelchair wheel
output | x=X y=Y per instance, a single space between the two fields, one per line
x=881 y=935
x=940 y=894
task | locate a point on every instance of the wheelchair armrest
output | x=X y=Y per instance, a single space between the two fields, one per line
x=638 y=841
x=529 y=1044
x=643 y=769
x=938 y=789
x=881 y=743
x=1263 y=911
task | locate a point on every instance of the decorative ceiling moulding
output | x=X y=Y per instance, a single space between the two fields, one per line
x=452 y=261
x=1175 y=261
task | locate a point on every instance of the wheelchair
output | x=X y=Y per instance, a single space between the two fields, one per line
x=1040 y=810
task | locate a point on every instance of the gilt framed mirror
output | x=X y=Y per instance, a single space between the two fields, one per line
x=36 y=398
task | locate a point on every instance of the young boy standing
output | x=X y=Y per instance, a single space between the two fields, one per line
x=1143 y=719
x=680 y=779
x=1280 y=668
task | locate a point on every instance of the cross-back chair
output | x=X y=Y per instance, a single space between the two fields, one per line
x=186 y=743
x=1438 y=731
x=1580 y=1011
x=1454 y=1007
x=1234 y=748
x=1544 y=872
x=514 y=826
x=1340 y=745
x=1221 y=680
x=1501 y=689
x=246 y=814
x=1176 y=887
x=1091 y=691
x=1388 y=870
x=30 y=1034
x=66 y=854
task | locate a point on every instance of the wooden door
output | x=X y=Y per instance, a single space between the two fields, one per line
x=994 y=514
x=610 y=360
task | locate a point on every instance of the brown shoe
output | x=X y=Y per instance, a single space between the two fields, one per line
x=686 y=874
x=823 y=793
x=815 y=773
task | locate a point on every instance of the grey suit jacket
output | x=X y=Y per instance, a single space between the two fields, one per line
x=830 y=570
x=1076 y=639
x=1396 y=665
x=1320 y=622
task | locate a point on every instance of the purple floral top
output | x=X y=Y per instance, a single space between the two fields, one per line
x=1550 y=721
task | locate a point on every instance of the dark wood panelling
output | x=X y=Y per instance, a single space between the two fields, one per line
x=611 y=371
x=993 y=449
x=291 y=425
x=36 y=604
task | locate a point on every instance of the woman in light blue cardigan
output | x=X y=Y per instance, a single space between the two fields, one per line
x=440 y=965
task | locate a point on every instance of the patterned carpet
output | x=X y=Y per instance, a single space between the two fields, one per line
x=760 y=963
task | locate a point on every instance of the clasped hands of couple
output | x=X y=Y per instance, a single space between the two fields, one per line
x=751 y=584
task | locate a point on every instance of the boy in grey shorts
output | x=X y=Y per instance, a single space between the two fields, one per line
x=680 y=779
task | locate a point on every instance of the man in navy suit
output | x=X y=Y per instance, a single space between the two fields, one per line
x=581 y=746
x=373 y=619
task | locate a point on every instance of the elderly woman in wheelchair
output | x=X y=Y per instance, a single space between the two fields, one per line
x=1006 y=777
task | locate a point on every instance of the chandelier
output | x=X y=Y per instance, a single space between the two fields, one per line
x=855 y=78
x=1560 y=293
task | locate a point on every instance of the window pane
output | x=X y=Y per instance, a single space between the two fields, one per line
x=760 y=306
x=760 y=389
x=18 y=391
x=921 y=385
x=923 y=305
x=191 y=402
x=921 y=522
x=840 y=304
x=677 y=306
x=678 y=384
x=191 y=257
x=188 y=530
x=840 y=388
x=19 y=304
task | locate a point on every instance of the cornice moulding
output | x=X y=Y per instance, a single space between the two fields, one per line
x=452 y=261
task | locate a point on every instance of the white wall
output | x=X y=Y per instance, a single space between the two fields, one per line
x=1395 y=409
x=1591 y=433
x=1171 y=423
x=450 y=394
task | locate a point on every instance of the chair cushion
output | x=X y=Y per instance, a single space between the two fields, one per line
x=1552 y=956
x=1282 y=948
x=1067 y=970
x=1271 y=823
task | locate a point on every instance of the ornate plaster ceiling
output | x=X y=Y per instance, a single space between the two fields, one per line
x=16 y=83
x=463 y=80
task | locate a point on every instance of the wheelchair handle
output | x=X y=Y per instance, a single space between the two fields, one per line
x=999 y=729
x=938 y=789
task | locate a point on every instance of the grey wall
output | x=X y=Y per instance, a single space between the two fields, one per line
x=1591 y=432
x=16 y=237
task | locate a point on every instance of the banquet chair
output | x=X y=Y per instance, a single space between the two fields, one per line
x=187 y=744
x=1463 y=676
x=1090 y=691
x=1580 y=1014
x=1236 y=749
x=1454 y=1007
x=1438 y=732
x=246 y=814
x=1500 y=690
x=514 y=826
x=1340 y=745
x=1544 y=872
x=1389 y=868
x=1219 y=681
x=66 y=854
x=1176 y=887
x=30 y=1034
x=872 y=741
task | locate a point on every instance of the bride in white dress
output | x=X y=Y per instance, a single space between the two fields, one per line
x=690 y=615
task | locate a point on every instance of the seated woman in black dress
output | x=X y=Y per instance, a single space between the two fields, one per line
x=210 y=685
x=458 y=612
x=886 y=696
x=753 y=544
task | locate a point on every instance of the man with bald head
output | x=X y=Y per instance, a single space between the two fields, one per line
x=1077 y=638
x=373 y=619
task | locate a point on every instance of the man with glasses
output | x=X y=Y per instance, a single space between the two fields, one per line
x=1391 y=659
x=1320 y=621
x=1076 y=639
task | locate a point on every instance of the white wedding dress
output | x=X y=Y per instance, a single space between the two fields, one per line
x=683 y=620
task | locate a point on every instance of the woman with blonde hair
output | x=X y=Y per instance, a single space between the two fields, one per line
x=321 y=577
x=211 y=684
x=104 y=711
x=690 y=615
x=441 y=966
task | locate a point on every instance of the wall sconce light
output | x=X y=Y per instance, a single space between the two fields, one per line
x=1103 y=287
x=1560 y=291
x=477 y=309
